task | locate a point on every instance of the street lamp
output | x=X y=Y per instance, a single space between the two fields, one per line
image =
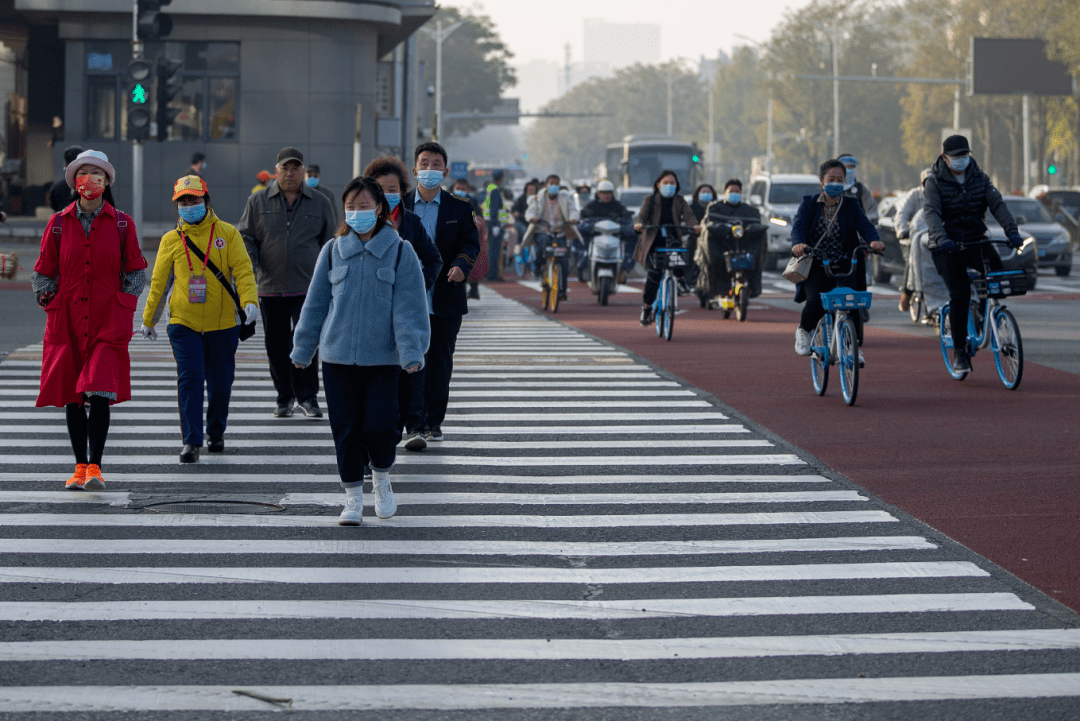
x=438 y=35
x=769 y=112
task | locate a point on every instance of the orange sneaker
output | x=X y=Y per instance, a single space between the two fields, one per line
x=94 y=481
x=77 y=481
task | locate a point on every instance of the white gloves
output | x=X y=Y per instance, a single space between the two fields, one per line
x=252 y=312
x=148 y=332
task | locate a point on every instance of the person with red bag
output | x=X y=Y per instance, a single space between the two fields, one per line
x=88 y=278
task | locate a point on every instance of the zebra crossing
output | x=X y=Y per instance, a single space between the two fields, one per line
x=592 y=537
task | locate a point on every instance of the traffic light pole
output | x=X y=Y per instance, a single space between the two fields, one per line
x=136 y=145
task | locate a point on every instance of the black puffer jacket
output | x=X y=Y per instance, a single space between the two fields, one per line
x=956 y=212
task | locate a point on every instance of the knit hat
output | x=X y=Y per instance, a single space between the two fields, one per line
x=955 y=144
x=90 y=157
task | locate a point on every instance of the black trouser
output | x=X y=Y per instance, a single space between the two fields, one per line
x=280 y=314
x=543 y=240
x=93 y=432
x=439 y=365
x=816 y=284
x=952 y=267
x=411 y=401
x=363 y=408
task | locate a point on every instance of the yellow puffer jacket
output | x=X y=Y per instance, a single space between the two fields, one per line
x=227 y=252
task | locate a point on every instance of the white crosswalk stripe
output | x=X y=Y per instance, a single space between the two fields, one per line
x=585 y=519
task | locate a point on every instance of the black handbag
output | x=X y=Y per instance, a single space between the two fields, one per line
x=246 y=330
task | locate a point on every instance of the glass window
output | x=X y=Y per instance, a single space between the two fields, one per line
x=1032 y=210
x=190 y=101
x=101 y=107
x=792 y=193
x=222 y=108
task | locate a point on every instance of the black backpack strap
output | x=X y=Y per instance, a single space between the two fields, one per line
x=220 y=276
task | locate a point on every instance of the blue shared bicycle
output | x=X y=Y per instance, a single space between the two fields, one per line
x=668 y=259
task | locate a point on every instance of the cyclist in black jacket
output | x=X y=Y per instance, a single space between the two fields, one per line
x=958 y=194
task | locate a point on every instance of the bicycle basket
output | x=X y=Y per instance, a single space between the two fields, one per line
x=1003 y=283
x=846 y=299
x=738 y=261
x=671 y=258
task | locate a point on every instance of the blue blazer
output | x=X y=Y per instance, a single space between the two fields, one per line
x=852 y=221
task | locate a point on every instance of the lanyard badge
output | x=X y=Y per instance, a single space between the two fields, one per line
x=197 y=283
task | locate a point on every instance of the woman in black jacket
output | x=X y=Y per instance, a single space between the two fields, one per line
x=832 y=225
x=703 y=195
x=664 y=208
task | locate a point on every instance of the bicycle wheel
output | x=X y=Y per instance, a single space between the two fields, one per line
x=519 y=265
x=742 y=303
x=544 y=294
x=847 y=348
x=819 y=356
x=670 y=301
x=553 y=285
x=916 y=307
x=1008 y=349
x=945 y=335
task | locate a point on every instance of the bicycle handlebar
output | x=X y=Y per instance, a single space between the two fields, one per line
x=816 y=253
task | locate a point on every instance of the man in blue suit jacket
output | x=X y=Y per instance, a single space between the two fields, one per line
x=449 y=221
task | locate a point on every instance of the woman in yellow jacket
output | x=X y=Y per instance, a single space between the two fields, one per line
x=203 y=328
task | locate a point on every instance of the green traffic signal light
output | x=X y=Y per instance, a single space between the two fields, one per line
x=138 y=94
x=1052 y=170
x=696 y=158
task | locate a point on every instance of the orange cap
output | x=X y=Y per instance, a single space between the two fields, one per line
x=189 y=185
x=264 y=175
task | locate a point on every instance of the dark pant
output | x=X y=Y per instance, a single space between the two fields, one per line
x=543 y=240
x=90 y=432
x=952 y=267
x=653 y=274
x=816 y=284
x=411 y=401
x=280 y=315
x=363 y=408
x=439 y=366
x=203 y=359
x=495 y=243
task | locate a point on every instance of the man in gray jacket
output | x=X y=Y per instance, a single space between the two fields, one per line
x=284 y=226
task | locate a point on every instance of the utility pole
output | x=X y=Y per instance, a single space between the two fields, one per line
x=1027 y=143
x=712 y=139
x=439 y=35
x=566 y=68
x=136 y=145
x=769 y=111
x=670 y=79
x=835 y=94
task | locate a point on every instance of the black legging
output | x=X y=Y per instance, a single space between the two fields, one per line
x=952 y=267
x=90 y=432
x=816 y=284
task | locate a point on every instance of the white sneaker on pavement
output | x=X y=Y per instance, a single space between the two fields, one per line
x=385 y=503
x=862 y=361
x=354 y=506
x=802 y=341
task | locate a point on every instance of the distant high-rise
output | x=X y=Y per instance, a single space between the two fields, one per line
x=609 y=46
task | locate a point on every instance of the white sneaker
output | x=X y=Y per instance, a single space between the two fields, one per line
x=354 y=506
x=862 y=361
x=385 y=503
x=802 y=341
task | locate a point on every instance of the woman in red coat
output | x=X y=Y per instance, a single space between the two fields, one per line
x=87 y=279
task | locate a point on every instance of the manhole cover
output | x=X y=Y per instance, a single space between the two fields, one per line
x=214 y=507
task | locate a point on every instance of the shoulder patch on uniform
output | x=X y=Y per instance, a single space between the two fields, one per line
x=219 y=243
x=459 y=198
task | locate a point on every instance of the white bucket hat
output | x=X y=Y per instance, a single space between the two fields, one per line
x=89 y=157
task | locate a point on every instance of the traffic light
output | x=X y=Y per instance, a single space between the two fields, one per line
x=696 y=158
x=152 y=24
x=166 y=91
x=1051 y=170
x=138 y=111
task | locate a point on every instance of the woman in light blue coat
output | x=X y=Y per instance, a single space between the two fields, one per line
x=366 y=314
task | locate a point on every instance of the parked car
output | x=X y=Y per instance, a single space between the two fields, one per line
x=632 y=198
x=1054 y=250
x=1026 y=257
x=777 y=197
x=892 y=261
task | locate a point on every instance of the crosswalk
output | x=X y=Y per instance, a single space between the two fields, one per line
x=593 y=538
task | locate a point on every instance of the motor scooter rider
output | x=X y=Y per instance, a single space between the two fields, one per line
x=551 y=212
x=606 y=207
x=716 y=240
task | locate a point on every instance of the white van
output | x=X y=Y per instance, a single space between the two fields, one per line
x=777 y=197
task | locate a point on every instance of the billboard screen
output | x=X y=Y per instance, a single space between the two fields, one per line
x=1016 y=66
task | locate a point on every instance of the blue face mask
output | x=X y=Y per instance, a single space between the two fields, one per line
x=833 y=190
x=734 y=198
x=392 y=199
x=461 y=193
x=312 y=182
x=430 y=179
x=668 y=191
x=360 y=220
x=192 y=214
x=705 y=197
x=959 y=164
x=553 y=190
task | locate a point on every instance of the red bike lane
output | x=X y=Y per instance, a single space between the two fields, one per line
x=996 y=470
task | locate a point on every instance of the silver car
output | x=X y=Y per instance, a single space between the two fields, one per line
x=1052 y=238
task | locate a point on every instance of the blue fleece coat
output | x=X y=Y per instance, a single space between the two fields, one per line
x=363 y=311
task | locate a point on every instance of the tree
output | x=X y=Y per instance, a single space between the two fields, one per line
x=475 y=70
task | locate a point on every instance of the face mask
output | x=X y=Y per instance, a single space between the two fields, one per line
x=312 y=182
x=668 y=191
x=392 y=199
x=705 y=197
x=192 y=214
x=461 y=193
x=959 y=164
x=360 y=220
x=430 y=179
x=734 y=198
x=90 y=186
x=553 y=190
x=833 y=190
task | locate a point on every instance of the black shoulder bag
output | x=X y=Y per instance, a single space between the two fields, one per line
x=246 y=330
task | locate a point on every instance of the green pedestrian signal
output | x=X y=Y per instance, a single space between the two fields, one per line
x=138 y=94
x=1052 y=170
x=696 y=158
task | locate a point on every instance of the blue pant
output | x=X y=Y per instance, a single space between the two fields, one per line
x=203 y=359
x=363 y=408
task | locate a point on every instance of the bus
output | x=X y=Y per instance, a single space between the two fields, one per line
x=638 y=159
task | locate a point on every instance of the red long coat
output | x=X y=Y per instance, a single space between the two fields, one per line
x=89 y=322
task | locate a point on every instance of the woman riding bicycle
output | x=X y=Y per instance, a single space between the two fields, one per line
x=662 y=208
x=832 y=224
x=958 y=195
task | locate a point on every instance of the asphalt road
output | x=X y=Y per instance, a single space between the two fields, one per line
x=595 y=538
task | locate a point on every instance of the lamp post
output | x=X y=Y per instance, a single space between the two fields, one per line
x=769 y=112
x=438 y=35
